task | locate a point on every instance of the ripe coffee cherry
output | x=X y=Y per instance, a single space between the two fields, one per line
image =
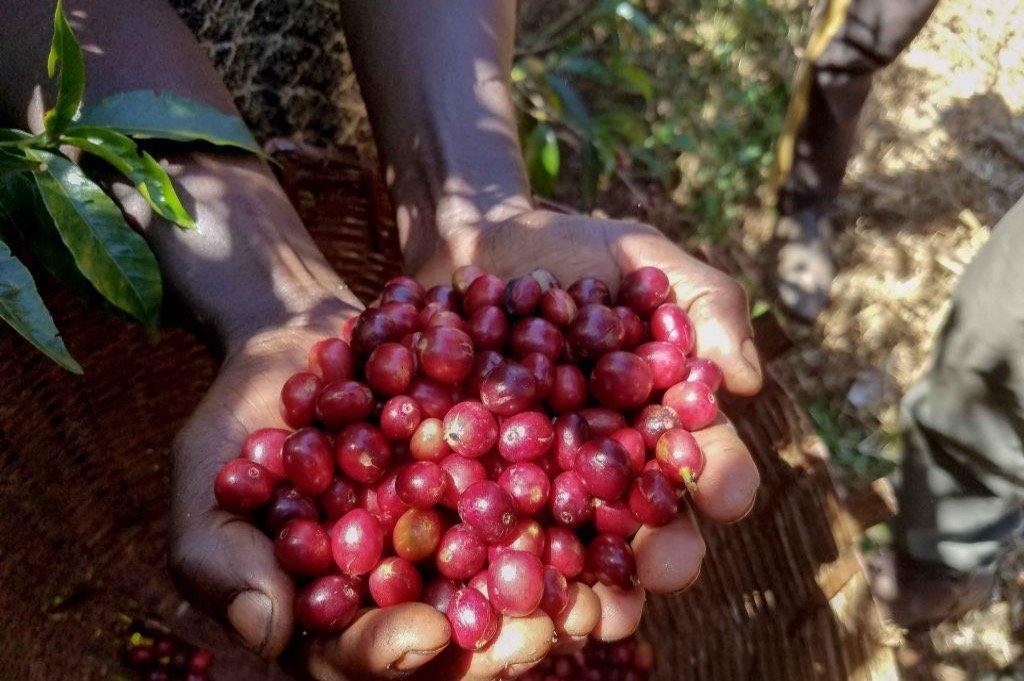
x=464 y=276
x=667 y=362
x=400 y=417
x=633 y=330
x=543 y=369
x=603 y=466
x=703 y=371
x=345 y=332
x=421 y=484
x=373 y=327
x=462 y=472
x=558 y=307
x=328 y=604
x=508 y=389
x=483 y=363
x=653 y=420
x=331 y=359
x=652 y=499
x=528 y=485
x=590 y=291
x=525 y=436
x=488 y=327
x=298 y=399
x=264 y=446
x=527 y=536
x=621 y=380
x=445 y=354
x=446 y=318
x=568 y=389
x=461 y=553
x=564 y=552
x=439 y=593
x=383 y=502
x=443 y=296
x=470 y=429
x=670 y=323
x=485 y=290
x=602 y=421
x=285 y=505
x=303 y=548
x=473 y=621
x=556 y=592
x=515 y=582
x=694 y=402
x=644 y=289
x=340 y=497
x=595 y=330
x=479 y=582
x=534 y=334
x=307 y=460
x=395 y=580
x=434 y=399
x=679 y=456
x=571 y=431
x=405 y=316
x=200 y=660
x=633 y=442
x=427 y=443
x=417 y=534
x=363 y=453
x=611 y=561
x=402 y=290
x=242 y=486
x=522 y=295
x=389 y=368
x=343 y=402
x=570 y=502
x=488 y=509
x=614 y=517
x=357 y=542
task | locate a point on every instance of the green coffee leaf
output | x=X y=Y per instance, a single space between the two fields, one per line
x=542 y=158
x=15 y=161
x=23 y=309
x=64 y=51
x=138 y=166
x=112 y=257
x=165 y=115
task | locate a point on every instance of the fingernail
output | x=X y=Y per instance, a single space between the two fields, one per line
x=250 y=614
x=749 y=353
x=414 y=659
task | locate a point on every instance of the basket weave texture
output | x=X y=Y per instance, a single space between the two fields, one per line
x=84 y=476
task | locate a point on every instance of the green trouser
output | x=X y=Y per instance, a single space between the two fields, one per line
x=961 y=483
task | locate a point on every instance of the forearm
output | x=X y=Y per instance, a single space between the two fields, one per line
x=435 y=78
x=249 y=263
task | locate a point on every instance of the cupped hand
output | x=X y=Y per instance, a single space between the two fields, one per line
x=571 y=246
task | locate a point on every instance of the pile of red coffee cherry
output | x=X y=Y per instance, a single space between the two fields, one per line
x=476 y=446
x=631 y=659
x=158 y=655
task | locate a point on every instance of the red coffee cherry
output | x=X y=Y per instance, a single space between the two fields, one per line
x=265 y=447
x=515 y=582
x=461 y=553
x=328 y=604
x=568 y=389
x=653 y=420
x=526 y=436
x=667 y=362
x=298 y=399
x=488 y=509
x=400 y=417
x=603 y=466
x=473 y=621
x=703 y=371
x=694 y=402
x=287 y=504
x=363 y=453
x=558 y=307
x=670 y=323
x=343 y=402
x=595 y=330
x=307 y=460
x=357 y=542
x=389 y=369
x=615 y=517
x=445 y=354
x=611 y=561
x=439 y=593
x=421 y=484
x=522 y=295
x=395 y=580
x=470 y=429
x=570 y=501
x=652 y=500
x=621 y=380
x=644 y=289
x=462 y=472
x=331 y=359
x=242 y=486
x=528 y=485
x=679 y=456
x=588 y=290
x=508 y=389
x=303 y=548
x=488 y=328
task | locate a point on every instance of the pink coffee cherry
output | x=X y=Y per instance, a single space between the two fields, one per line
x=652 y=500
x=265 y=447
x=526 y=436
x=570 y=502
x=470 y=429
x=679 y=456
x=242 y=486
x=421 y=484
x=357 y=542
x=670 y=323
x=331 y=359
x=515 y=582
x=528 y=485
x=653 y=420
x=473 y=621
x=527 y=535
x=667 y=362
x=632 y=441
x=395 y=580
x=303 y=548
x=462 y=472
x=694 y=402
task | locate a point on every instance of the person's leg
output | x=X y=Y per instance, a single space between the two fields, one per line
x=852 y=39
x=961 y=481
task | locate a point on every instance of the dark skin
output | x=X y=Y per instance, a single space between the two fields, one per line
x=434 y=77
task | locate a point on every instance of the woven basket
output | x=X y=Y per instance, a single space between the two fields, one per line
x=84 y=480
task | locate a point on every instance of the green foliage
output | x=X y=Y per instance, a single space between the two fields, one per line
x=855 y=452
x=76 y=231
x=689 y=95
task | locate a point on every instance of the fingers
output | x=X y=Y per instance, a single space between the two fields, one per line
x=620 y=611
x=728 y=486
x=227 y=567
x=668 y=558
x=521 y=643
x=386 y=643
x=573 y=626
